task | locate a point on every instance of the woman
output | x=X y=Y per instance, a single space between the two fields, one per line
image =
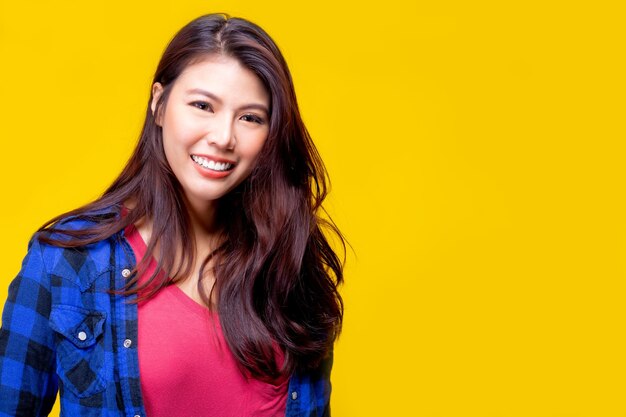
x=200 y=283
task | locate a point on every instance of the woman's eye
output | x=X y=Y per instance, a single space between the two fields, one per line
x=202 y=105
x=252 y=118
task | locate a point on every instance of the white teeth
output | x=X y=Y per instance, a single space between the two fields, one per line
x=210 y=164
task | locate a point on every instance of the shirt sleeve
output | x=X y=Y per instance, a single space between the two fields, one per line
x=28 y=380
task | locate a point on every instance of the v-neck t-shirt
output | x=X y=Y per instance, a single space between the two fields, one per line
x=185 y=365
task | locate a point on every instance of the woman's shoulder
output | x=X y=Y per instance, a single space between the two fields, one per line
x=87 y=219
x=75 y=225
x=76 y=262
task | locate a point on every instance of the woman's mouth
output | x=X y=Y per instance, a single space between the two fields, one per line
x=211 y=164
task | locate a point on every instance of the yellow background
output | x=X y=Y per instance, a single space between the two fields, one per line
x=476 y=151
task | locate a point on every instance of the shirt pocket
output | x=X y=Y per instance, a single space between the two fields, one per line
x=80 y=348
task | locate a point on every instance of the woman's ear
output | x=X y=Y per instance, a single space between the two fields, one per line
x=157 y=90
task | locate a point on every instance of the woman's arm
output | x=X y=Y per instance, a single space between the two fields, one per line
x=28 y=381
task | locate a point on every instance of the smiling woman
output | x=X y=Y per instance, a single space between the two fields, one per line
x=202 y=274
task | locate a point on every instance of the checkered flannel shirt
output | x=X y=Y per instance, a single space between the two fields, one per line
x=61 y=330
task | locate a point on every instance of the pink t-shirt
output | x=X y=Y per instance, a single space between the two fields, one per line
x=185 y=364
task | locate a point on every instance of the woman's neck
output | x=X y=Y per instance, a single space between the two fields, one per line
x=203 y=220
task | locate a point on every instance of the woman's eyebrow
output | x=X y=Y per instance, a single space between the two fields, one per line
x=204 y=93
x=216 y=98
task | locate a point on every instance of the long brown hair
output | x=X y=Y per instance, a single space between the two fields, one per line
x=276 y=275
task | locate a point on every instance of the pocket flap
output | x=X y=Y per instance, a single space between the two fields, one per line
x=79 y=325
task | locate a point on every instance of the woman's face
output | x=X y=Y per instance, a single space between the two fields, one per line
x=214 y=126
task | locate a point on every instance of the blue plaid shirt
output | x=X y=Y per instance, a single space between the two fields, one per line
x=62 y=330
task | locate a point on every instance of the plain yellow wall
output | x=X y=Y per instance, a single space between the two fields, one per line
x=476 y=156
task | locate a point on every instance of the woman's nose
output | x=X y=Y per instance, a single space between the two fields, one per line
x=222 y=133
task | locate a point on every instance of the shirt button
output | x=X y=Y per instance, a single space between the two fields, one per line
x=82 y=336
x=294 y=395
x=125 y=272
x=127 y=343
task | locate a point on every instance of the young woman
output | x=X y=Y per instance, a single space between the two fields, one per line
x=201 y=282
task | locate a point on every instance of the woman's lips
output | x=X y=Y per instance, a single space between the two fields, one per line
x=212 y=167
